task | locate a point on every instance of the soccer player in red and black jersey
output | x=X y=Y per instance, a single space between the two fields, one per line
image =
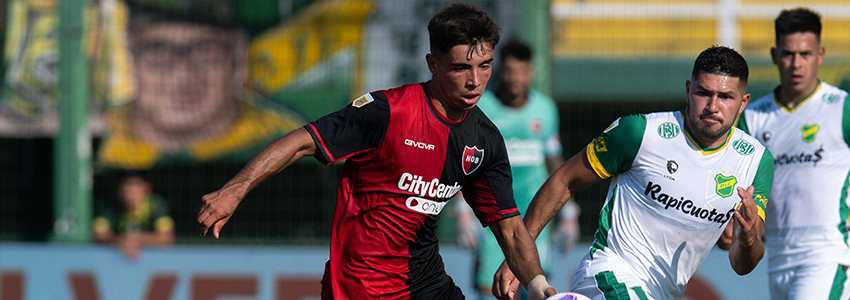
x=408 y=150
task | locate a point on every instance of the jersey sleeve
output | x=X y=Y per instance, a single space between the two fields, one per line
x=490 y=192
x=614 y=151
x=357 y=128
x=763 y=182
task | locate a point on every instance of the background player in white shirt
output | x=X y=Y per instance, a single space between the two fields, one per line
x=806 y=125
x=672 y=194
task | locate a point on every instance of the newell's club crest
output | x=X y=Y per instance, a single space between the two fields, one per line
x=472 y=157
x=810 y=132
x=725 y=185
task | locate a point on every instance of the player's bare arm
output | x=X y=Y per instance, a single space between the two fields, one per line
x=572 y=176
x=217 y=207
x=521 y=255
x=725 y=240
x=747 y=249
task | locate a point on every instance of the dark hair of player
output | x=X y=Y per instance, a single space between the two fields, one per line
x=516 y=50
x=721 y=60
x=461 y=24
x=796 y=20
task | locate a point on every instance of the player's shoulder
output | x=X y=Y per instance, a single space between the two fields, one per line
x=629 y=129
x=830 y=93
x=667 y=124
x=632 y=122
x=661 y=116
x=396 y=94
x=745 y=144
x=768 y=98
x=476 y=115
x=536 y=95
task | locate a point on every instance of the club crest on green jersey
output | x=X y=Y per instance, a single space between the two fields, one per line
x=599 y=145
x=668 y=130
x=810 y=132
x=725 y=185
x=743 y=147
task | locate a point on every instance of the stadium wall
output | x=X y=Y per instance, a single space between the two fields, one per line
x=201 y=272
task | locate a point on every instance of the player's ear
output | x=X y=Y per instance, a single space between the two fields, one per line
x=773 y=55
x=432 y=63
x=744 y=102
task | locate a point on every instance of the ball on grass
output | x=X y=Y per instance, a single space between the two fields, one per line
x=568 y=296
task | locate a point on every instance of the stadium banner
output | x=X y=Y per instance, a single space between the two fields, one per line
x=198 y=272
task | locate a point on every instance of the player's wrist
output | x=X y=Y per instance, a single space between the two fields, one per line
x=537 y=287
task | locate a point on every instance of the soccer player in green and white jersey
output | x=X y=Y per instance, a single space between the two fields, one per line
x=805 y=123
x=679 y=180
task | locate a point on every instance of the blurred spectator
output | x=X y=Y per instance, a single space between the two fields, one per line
x=139 y=218
x=189 y=63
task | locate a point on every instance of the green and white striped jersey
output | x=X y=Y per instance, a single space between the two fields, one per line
x=668 y=202
x=808 y=211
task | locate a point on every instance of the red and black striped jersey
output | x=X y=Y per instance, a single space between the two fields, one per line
x=404 y=161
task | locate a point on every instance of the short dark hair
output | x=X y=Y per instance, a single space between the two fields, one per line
x=721 y=60
x=461 y=24
x=796 y=20
x=516 y=49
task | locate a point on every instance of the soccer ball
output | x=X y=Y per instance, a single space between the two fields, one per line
x=568 y=296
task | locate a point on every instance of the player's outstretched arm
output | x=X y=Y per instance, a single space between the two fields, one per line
x=521 y=255
x=218 y=206
x=575 y=174
x=747 y=249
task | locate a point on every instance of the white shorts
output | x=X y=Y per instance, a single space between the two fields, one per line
x=826 y=281
x=607 y=286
